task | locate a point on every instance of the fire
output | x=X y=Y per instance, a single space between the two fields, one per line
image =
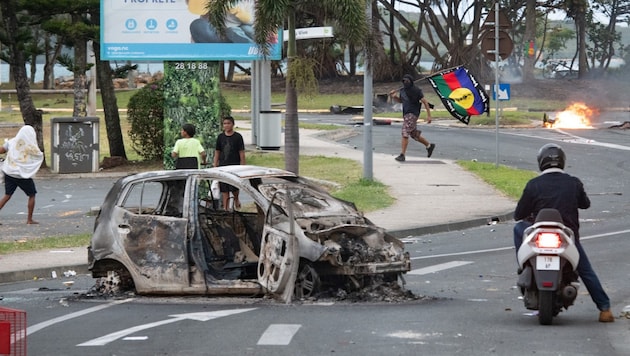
x=576 y=116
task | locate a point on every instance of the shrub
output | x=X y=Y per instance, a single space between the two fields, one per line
x=145 y=113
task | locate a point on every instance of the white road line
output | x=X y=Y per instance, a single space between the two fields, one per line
x=201 y=316
x=136 y=338
x=463 y=253
x=437 y=268
x=582 y=238
x=38 y=327
x=278 y=334
x=613 y=233
x=576 y=140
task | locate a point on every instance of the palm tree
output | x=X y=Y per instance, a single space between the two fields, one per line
x=273 y=14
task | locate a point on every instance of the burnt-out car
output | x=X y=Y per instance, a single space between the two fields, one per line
x=164 y=232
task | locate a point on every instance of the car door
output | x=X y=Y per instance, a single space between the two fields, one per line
x=153 y=234
x=279 y=253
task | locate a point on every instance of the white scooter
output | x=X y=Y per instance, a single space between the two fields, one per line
x=547 y=261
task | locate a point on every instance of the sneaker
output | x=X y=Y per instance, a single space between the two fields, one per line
x=605 y=316
x=430 y=150
x=401 y=158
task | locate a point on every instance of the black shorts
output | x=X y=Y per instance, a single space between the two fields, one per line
x=11 y=184
x=224 y=187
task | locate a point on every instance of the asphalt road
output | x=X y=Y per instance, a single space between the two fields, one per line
x=466 y=279
x=469 y=306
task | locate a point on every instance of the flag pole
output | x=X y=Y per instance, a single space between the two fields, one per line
x=432 y=74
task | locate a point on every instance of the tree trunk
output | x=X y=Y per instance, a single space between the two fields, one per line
x=530 y=35
x=382 y=67
x=291 y=120
x=30 y=115
x=110 y=105
x=582 y=64
x=33 y=62
x=80 y=60
x=50 y=56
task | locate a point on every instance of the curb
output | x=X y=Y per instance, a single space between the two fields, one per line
x=455 y=226
x=41 y=273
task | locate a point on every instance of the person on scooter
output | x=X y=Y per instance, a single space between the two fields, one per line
x=554 y=188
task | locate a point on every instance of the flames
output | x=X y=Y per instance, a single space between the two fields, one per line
x=576 y=116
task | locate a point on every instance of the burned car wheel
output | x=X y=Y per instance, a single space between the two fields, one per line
x=117 y=281
x=307 y=283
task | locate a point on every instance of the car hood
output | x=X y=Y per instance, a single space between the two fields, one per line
x=307 y=201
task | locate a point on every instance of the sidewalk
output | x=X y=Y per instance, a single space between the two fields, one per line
x=432 y=195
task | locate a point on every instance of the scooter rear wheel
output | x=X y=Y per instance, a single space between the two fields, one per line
x=545 y=307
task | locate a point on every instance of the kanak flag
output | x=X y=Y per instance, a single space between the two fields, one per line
x=461 y=93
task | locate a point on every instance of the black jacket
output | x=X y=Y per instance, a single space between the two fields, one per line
x=554 y=189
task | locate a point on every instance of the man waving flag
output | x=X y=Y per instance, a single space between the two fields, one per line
x=461 y=93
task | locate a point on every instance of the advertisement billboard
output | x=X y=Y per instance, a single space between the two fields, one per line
x=178 y=30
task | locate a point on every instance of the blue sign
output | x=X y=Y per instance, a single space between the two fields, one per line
x=504 y=92
x=179 y=30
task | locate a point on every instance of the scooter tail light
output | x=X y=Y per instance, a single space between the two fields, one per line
x=548 y=240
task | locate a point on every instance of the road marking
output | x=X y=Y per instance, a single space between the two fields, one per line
x=136 y=338
x=203 y=316
x=37 y=327
x=606 y=234
x=463 y=253
x=474 y=252
x=437 y=268
x=278 y=334
x=576 y=140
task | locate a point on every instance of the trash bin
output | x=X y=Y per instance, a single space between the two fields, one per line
x=74 y=143
x=270 y=129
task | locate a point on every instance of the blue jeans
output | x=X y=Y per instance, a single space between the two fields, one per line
x=584 y=268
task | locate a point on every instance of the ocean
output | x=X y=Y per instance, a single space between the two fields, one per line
x=63 y=72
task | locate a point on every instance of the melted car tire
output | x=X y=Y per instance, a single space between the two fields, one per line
x=307 y=283
x=118 y=281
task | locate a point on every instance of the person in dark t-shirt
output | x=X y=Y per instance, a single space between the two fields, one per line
x=229 y=150
x=411 y=97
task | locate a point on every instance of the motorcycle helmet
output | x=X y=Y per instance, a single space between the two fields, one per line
x=551 y=156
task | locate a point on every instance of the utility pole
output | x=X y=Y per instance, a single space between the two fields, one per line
x=367 y=100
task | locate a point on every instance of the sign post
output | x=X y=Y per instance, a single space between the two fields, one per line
x=496 y=44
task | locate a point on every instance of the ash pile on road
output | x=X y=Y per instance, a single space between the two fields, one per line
x=386 y=292
x=377 y=291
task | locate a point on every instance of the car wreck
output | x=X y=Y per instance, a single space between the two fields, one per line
x=164 y=232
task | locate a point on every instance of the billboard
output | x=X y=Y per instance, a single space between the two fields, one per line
x=178 y=30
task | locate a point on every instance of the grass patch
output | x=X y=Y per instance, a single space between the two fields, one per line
x=509 y=181
x=45 y=243
x=345 y=174
x=340 y=171
x=367 y=195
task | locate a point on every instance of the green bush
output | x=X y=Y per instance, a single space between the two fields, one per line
x=145 y=113
x=189 y=93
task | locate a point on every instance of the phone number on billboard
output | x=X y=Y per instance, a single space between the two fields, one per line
x=191 y=65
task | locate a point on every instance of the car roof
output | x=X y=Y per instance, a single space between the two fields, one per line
x=248 y=171
x=238 y=171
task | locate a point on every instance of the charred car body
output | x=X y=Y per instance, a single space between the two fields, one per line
x=163 y=232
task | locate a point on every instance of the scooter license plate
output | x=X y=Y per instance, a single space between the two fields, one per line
x=548 y=263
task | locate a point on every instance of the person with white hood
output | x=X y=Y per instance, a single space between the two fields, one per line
x=20 y=165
